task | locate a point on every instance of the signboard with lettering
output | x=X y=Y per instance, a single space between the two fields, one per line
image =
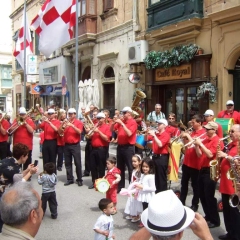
x=173 y=73
x=32 y=64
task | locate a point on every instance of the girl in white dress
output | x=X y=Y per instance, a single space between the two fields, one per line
x=133 y=206
x=146 y=184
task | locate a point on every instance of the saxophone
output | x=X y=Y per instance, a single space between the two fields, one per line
x=234 y=175
x=215 y=165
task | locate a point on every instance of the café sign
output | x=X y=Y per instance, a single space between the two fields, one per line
x=173 y=73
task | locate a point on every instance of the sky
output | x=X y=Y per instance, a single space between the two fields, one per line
x=5 y=27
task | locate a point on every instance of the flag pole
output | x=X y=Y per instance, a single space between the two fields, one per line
x=76 y=59
x=24 y=69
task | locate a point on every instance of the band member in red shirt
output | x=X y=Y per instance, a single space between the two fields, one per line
x=126 y=130
x=4 y=126
x=172 y=127
x=24 y=134
x=191 y=163
x=229 y=112
x=160 y=139
x=207 y=150
x=231 y=215
x=60 y=140
x=108 y=120
x=209 y=117
x=72 y=138
x=50 y=127
x=100 y=137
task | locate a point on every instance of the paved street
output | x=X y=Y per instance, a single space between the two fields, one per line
x=78 y=210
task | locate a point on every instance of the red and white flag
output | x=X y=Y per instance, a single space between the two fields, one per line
x=19 y=49
x=54 y=24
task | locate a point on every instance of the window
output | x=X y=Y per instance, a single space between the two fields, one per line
x=107 y=5
x=81 y=8
x=50 y=75
x=3 y=104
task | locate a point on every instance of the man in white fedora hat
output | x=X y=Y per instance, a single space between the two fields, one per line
x=167 y=217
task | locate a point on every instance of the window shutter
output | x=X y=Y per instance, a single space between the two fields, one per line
x=108 y=4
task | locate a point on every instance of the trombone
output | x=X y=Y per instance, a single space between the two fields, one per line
x=19 y=122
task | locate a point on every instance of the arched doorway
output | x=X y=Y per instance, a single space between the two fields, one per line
x=236 y=85
x=109 y=89
x=86 y=73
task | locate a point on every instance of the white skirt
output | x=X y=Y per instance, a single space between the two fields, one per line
x=133 y=206
x=145 y=197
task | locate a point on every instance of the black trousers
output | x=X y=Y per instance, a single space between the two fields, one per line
x=98 y=158
x=3 y=150
x=49 y=151
x=187 y=174
x=206 y=194
x=231 y=218
x=88 y=149
x=52 y=203
x=124 y=157
x=161 y=167
x=60 y=150
x=73 y=151
x=28 y=161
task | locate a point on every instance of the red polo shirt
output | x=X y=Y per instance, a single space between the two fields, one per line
x=60 y=140
x=123 y=138
x=164 y=137
x=211 y=144
x=49 y=133
x=21 y=135
x=172 y=131
x=226 y=186
x=6 y=126
x=191 y=159
x=97 y=141
x=235 y=115
x=70 y=135
x=219 y=130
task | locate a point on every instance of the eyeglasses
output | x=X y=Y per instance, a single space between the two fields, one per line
x=229 y=105
x=231 y=131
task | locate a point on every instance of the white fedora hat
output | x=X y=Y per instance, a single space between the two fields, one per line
x=165 y=215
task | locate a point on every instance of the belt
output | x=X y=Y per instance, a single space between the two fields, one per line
x=72 y=143
x=125 y=145
x=100 y=147
x=159 y=155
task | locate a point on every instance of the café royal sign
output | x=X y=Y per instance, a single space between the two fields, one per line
x=173 y=73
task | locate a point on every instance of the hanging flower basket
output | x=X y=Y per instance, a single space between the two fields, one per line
x=207 y=88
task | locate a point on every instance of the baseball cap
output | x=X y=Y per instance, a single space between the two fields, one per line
x=209 y=112
x=211 y=125
x=230 y=102
x=51 y=110
x=163 y=121
x=22 y=110
x=71 y=110
x=100 y=115
x=127 y=109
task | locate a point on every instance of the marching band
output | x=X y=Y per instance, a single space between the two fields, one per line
x=205 y=159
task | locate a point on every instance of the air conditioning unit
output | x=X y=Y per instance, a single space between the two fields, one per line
x=137 y=51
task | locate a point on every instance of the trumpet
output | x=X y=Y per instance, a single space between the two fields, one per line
x=194 y=140
x=63 y=126
x=90 y=133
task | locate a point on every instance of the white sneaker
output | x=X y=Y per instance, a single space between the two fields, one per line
x=135 y=220
x=128 y=217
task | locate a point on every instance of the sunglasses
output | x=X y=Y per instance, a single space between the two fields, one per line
x=210 y=129
x=50 y=113
x=124 y=112
x=207 y=115
x=231 y=131
x=229 y=105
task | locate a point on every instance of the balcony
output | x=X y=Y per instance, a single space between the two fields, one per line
x=168 y=12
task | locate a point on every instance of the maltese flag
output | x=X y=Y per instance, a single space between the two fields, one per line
x=54 y=24
x=19 y=49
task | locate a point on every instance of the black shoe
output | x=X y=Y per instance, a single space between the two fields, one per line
x=59 y=169
x=85 y=175
x=68 y=182
x=225 y=237
x=79 y=183
x=212 y=225
x=91 y=187
x=54 y=216
x=194 y=208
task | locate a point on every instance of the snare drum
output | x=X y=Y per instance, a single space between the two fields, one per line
x=101 y=185
x=226 y=124
x=140 y=142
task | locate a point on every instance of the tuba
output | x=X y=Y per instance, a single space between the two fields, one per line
x=139 y=96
